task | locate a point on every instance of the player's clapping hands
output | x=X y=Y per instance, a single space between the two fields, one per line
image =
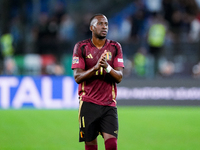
x=101 y=62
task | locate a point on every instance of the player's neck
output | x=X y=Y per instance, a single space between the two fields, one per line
x=99 y=43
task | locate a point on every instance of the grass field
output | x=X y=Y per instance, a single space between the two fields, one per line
x=140 y=128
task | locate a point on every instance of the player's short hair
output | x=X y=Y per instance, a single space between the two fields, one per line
x=99 y=14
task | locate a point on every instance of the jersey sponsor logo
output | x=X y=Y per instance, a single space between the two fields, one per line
x=75 y=60
x=109 y=55
x=120 y=60
x=89 y=56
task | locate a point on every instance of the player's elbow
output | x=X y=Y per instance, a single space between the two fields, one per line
x=77 y=76
x=119 y=79
x=118 y=74
x=77 y=79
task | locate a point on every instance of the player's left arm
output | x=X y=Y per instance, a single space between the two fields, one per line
x=117 y=74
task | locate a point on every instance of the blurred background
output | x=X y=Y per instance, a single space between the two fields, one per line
x=161 y=47
x=160 y=38
x=160 y=41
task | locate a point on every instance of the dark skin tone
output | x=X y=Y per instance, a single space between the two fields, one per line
x=99 y=28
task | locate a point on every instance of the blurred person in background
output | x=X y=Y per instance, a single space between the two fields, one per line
x=6 y=42
x=156 y=39
x=85 y=32
x=10 y=67
x=127 y=72
x=98 y=66
x=46 y=34
x=55 y=69
x=196 y=70
x=166 y=67
x=125 y=30
x=178 y=14
x=7 y=51
x=194 y=32
x=153 y=5
x=137 y=21
x=66 y=33
x=140 y=61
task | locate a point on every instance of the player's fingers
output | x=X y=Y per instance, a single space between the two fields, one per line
x=103 y=57
x=105 y=52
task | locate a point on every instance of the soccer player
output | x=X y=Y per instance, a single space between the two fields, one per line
x=98 y=65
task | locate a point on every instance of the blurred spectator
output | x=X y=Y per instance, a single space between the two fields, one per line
x=137 y=25
x=66 y=30
x=9 y=66
x=41 y=31
x=7 y=48
x=139 y=60
x=58 y=69
x=85 y=31
x=128 y=68
x=166 y=68
x=125 y=31
x=114 y=32
x=153 y=5
x=176 y=24
x=16 y=32
x=156 y=39
x=189 y=6
x=167 y=6
x=194 y=32
x=59 y=11
x=56 y=30
x=54 y=69
x=46 y=32
x=66 y=34
x=177 y=13
x=196 y=70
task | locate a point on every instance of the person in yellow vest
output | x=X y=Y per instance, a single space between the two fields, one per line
x=7 y=45
x=7 y=49
x=156 y=39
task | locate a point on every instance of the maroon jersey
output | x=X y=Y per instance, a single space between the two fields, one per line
x=100 y=88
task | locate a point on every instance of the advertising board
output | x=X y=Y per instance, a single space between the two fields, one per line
x=60 y=92
x=38 y=92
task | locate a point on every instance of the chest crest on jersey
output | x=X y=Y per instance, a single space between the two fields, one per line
x=109 y=55
x=89 y=56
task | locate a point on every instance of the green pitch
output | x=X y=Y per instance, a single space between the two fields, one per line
x=141 y=128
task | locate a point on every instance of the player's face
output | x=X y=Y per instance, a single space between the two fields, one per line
x=100 y=27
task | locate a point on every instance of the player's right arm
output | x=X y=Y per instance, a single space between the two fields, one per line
x=81 y=75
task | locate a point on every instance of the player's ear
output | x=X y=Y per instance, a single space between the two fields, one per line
x=91 y=28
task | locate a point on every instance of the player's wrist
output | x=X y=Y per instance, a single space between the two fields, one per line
x=95 y=68
x=108 y=69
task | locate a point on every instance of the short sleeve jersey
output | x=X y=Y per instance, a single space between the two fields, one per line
x=100 y=88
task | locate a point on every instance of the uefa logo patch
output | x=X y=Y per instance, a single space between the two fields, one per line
x=75 y=60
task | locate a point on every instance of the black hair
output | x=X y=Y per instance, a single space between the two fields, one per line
x=99 y=14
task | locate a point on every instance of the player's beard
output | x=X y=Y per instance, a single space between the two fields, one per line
x=101 y=37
